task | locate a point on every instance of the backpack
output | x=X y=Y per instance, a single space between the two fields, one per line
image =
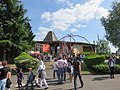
x=8 y=83
x=68 y=69
x=32 y=76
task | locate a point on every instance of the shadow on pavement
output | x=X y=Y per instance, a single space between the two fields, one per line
x=70 y=89
x=58 y=89
x=52 y=82
x=101 y=78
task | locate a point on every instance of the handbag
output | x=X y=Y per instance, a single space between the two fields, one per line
x=8 y=83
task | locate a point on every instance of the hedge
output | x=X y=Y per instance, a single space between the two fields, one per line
x=104 y=69
x=101 y=68
x=94 y=60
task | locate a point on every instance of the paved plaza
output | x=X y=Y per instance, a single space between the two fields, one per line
x=92 y=82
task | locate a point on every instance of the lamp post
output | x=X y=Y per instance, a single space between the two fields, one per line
x=70 y=35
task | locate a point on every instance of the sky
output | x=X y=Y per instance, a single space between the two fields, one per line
x=77 y=17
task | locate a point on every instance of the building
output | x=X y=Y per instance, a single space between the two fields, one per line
x=52 y=45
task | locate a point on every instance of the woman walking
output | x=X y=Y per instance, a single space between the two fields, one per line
x=111 y=64
x=42 y=74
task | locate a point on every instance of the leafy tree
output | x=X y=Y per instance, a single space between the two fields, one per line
x=112 y=25
x=103 y=46
x=15 y=30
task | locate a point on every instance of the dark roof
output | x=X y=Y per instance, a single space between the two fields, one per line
x=50 y=37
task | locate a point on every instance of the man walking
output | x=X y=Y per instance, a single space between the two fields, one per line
x=65 y=67
x=77 y=72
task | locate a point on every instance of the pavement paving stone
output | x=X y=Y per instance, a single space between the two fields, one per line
x=92 y=82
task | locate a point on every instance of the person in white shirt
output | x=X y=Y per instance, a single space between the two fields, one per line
x=55 y=69
x=60 y=66
x=42 y=74
x=65 y=67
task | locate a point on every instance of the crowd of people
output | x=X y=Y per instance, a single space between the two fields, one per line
x=62 y=66
x=72 y=66
x=5 y=77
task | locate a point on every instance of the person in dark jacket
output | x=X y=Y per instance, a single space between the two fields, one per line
x=77 y=72
x=30 y=78
x=20 y=77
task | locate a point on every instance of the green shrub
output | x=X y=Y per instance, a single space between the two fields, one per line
x=104 y=69
x=25 y=61
x=94 y=60
x=101 y=68
x=117 y=68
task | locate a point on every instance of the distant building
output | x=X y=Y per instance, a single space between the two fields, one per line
x=52 y=45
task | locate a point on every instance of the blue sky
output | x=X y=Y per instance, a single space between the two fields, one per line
x=81 y=17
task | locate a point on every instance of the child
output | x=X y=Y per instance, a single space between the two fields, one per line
x=19 y=77
x=30 y=78
x=70 y=70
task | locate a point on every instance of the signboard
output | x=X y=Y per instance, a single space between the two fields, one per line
x=46 y=48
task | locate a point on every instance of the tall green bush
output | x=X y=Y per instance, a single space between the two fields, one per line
x=25 y=61
x=94 y=60
x=104 y=69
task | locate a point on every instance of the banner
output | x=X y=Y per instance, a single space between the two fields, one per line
x=46 y=48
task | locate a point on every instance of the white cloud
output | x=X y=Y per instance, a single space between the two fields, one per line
x=46 y=16
x=64 y=18
x=59 y=26
x=80 y=26
x=73 y=30
x=101 y=12
x=89 y=10
x=64 y=15
x=68 y=2
x=72 y=17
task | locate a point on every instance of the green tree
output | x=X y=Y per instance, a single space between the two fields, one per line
x=15 y=30
x=112 y=25
x=102 y=47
